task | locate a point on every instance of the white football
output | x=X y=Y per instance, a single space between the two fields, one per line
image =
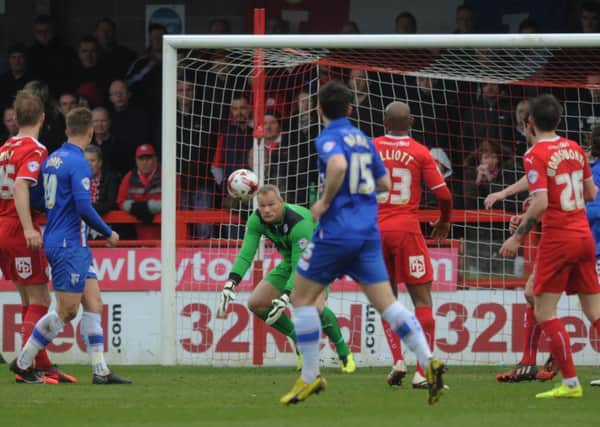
x=242 y=184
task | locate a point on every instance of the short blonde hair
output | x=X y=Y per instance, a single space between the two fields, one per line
x=79 y=121
x=28 y=107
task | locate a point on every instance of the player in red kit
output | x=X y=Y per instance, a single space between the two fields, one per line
x=21 y=257
x=560 y=182
x=405 y=252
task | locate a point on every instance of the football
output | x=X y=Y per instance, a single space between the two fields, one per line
x=242 y=184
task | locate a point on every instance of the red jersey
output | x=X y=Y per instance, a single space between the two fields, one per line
x=20 y=157
x=408 y=163
x=559 y=166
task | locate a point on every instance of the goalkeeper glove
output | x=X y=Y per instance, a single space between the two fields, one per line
x=227 y=294
x=278 y=308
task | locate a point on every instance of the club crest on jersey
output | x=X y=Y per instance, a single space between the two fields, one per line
x=532 y=176
x=328 y=146
x=85 y=182
x=302 y=243
x=23 y=267
x=33 y=166
x=75 y=279
x=416 y=266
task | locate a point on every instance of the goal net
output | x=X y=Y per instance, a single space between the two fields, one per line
x=468 y=106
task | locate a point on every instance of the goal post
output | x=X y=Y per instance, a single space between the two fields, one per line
x=393 y=64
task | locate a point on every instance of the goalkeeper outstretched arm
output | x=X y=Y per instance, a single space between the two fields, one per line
x=242 y=263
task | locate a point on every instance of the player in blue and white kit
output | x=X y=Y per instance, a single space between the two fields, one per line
x=66 y=184
x=347 y=241
x=593 y=208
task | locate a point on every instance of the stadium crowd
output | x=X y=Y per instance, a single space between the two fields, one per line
x=474 y=130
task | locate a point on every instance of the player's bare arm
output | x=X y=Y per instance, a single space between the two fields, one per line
x=515 y=188
x=539 y=204
x=32 y=236
x=336 y=171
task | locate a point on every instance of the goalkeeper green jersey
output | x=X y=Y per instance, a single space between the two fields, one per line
x=290 y=237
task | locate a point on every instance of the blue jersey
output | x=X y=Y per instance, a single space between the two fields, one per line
x=593 y=208
x=67 y=179
x=353 y=211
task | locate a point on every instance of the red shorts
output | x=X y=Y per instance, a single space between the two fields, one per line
x=407 y=257
x=566 y=265
x=18 y=262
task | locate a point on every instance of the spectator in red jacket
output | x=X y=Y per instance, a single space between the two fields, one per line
x=139 y=192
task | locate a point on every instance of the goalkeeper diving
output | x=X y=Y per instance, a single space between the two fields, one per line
x=290 y=228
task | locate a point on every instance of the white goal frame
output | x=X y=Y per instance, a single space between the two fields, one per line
x=363 y=41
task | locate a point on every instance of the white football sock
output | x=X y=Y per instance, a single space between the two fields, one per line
x=93 y=335
x=308 y=334
x=46 y=329
x=408 y=328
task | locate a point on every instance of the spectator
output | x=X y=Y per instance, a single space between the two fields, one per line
x=350 y=27
x=367 y=110
x=434 y=111
x=129 y=127
x=276 y=154
x=485 y=173
x=113 y=58
x=466 y=20
x=144 y=79
x=105 y=182
x=49 y=59
x=52 y=133
x=520 y=136
x=582 y=109
x=195 y=150
x=589 y=17
x=301 y=131
x=17 y=75
x=428 y=200
x=234 y=142
x=219 y=26
x=490 y=118
x=277 y=25
x=139 y=192
x=104 y=139
x=406 y=23
x=9 y=120
x=528 y=26
x=66 y=102
x=90 y=79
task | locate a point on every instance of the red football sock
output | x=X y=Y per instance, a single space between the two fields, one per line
x=393 y=340
x=34 y=313
x=560 y=346
x=425 y=317
x=531 y=338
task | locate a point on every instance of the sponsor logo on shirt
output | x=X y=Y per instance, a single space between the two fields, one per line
x=33 y=166
x=328 y=146
x=85 y=182
x=532 y=176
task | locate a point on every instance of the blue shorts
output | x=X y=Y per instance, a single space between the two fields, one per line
x=323 y=261
x=70 y=268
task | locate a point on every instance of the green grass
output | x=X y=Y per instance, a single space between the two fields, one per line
x=203 y=396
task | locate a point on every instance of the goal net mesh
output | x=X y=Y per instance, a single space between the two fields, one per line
x=468 y=107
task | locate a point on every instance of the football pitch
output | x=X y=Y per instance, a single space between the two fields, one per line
x=205 y=396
